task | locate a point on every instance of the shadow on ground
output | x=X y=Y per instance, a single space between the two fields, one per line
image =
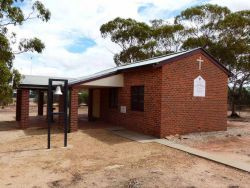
x=8 y=125
x=94 y=129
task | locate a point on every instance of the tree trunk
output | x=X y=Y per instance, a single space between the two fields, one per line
x=233 y=109
x=237 y=95
x=233 y=106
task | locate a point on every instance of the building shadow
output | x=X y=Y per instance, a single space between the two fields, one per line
x=95 y=129
x=23 y=150
x=8 y=125
x=99 y=130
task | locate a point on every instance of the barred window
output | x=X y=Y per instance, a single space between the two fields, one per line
x=137 y=98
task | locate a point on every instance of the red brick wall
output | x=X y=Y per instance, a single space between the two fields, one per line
x=181 y=112
x=74 y=109
x=148 y=121
x=24 y=109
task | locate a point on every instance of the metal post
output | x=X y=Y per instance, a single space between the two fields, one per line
x=65 y=112
x=69 y=110
x=49 y=104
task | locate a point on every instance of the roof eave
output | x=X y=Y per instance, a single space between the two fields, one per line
x=75 y=83
x=32 y=86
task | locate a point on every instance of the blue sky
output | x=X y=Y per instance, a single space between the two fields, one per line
x=74 y=46
x=80 y=45
x=165 y=12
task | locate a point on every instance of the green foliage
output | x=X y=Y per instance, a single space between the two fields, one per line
x=139 y=40
x=11 y=14
x=32 y=45
x=83 y=97
x=224 y=34
x=132 y=36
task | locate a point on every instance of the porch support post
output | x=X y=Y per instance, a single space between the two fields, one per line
x=73 y=119
x=24 y=114
x=18 y=104
x=90 y=104
x=40 y=102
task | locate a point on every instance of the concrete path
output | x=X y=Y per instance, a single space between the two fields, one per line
x=213 y=157
x=131 y=135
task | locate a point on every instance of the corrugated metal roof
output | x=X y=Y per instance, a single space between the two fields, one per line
x=39 y=80
x=131 y=65
x=154 y=60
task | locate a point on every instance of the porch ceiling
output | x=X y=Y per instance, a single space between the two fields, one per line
x=110 y=81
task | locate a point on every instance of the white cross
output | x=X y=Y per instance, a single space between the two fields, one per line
x=200 y=61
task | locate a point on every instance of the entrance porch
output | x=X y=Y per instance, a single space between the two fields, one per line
x=77 y=119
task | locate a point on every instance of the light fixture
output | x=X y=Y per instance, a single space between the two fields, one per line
x=58 y=91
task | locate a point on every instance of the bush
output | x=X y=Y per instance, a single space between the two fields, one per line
x=83 y=97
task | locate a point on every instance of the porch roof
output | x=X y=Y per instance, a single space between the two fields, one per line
x=38 y=82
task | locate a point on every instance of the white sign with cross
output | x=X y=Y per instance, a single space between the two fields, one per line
x=200 y=61
x=199 y=87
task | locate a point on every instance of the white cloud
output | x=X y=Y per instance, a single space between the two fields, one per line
x=234 y=5
x=73 y=19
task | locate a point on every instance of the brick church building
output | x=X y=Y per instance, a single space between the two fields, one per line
x=178 y=93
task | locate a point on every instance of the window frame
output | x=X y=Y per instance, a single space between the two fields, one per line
x=137 y=98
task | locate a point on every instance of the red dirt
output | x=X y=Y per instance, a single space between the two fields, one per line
x=97 y=158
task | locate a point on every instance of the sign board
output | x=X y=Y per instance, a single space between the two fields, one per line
x=123 y=109
x=199 y=87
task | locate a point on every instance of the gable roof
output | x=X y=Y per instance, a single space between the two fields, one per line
x=156 y=62
x=32 y=81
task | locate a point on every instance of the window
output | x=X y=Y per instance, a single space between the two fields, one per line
x=113 y=98
x=137 y=98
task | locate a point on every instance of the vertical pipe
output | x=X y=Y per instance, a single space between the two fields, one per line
x=69 y=110
x=49 y=108
x=65 y=112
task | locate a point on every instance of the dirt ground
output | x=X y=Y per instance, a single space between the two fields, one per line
x=234 y=143
x=97 y=158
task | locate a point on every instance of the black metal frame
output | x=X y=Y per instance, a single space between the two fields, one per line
x=50 y=108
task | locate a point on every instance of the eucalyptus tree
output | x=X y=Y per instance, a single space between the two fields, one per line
x=139 y=40
x=225 y=35
x=234 y=49
x=134 y=39
x=11 y=14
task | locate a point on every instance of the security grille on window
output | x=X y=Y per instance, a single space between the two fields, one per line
x=113 y=97
x=137 y=98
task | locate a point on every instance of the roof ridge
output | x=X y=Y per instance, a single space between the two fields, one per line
x=93 y=74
